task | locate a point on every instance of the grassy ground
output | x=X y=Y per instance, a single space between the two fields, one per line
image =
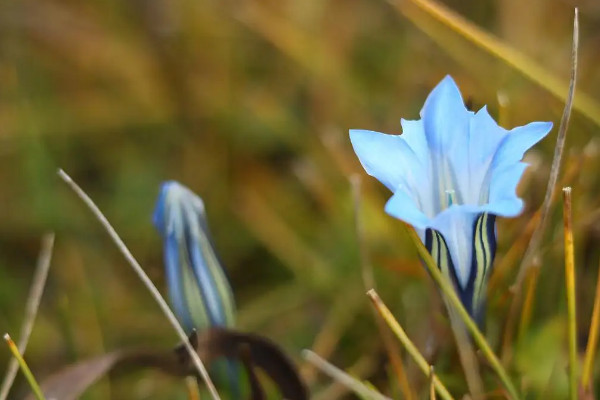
x=249 y=104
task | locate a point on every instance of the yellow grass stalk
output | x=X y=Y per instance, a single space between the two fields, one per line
x=592 y=344
x=24 y=368
x=570 y=286
x=410 y=347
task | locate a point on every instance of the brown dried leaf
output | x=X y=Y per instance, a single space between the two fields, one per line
x=252 y=350
x=72 y=382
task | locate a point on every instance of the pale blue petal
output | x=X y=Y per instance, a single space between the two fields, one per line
x=159 y=218
x=198 y=288
x=402 y=206
x=446 y=124
x=385 y=157
x=518 y=141
x=503 y=199
x=175 y=282
x=414 y=135
x=484 y=138
x=202 y=273
x=456 y=224
x=445 y=117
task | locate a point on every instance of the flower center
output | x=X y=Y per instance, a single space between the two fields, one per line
x=450 y=198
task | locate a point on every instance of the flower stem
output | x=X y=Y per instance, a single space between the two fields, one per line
x=453 y=299
x=466 y=354
x=570 y=286
x=410 y=347
x=37 y=391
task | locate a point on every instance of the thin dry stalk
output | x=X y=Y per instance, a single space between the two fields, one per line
x=364 y=366
x=410 y=347
x=145 y=280
x=35 y=387
x=531 y=285
x=466 y=354
x=340 y=376
x=533 y=249
x=31 y=308
x=431 y=386
x=570 y=289
x=592 y=344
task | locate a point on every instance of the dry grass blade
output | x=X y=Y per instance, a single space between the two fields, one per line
x=592 y=344
x=410 y=347
x=570 y=288
x=531 y=285
x=145 y=280
x=340 y=376
x=369 y=281
x=585 y=104
x=466 y=354
x=24 y=368
x=556 y=161
x=532 y=250
x=431 y=385
x=31 y=308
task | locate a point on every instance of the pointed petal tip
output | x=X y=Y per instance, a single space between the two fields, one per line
x=173 y=194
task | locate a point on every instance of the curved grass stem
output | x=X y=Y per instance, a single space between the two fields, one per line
x=197 y=362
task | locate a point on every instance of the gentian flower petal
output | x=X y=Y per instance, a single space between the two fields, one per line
x=198 y=286
x=451 y=173
x=385 y=157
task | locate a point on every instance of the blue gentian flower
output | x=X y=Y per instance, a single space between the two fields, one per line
x=198 y=287
x=451 y=173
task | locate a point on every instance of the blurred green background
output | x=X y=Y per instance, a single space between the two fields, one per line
x=249 y=104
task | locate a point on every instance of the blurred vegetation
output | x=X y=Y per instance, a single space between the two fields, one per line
x=249 y=104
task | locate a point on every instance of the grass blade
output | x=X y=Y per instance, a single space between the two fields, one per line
x=340 y=376
x=31 y=308
x=592 y=344
x=570 y=286
x=145 y=280
x=369 y=282
x=24 y=368
x=584 y=104
x=532 y=250
x=410 y=347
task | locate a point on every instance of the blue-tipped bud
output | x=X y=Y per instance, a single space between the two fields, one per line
x=198 y=288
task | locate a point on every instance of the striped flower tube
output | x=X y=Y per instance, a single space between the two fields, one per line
x=452 y=173
x=198 y=287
